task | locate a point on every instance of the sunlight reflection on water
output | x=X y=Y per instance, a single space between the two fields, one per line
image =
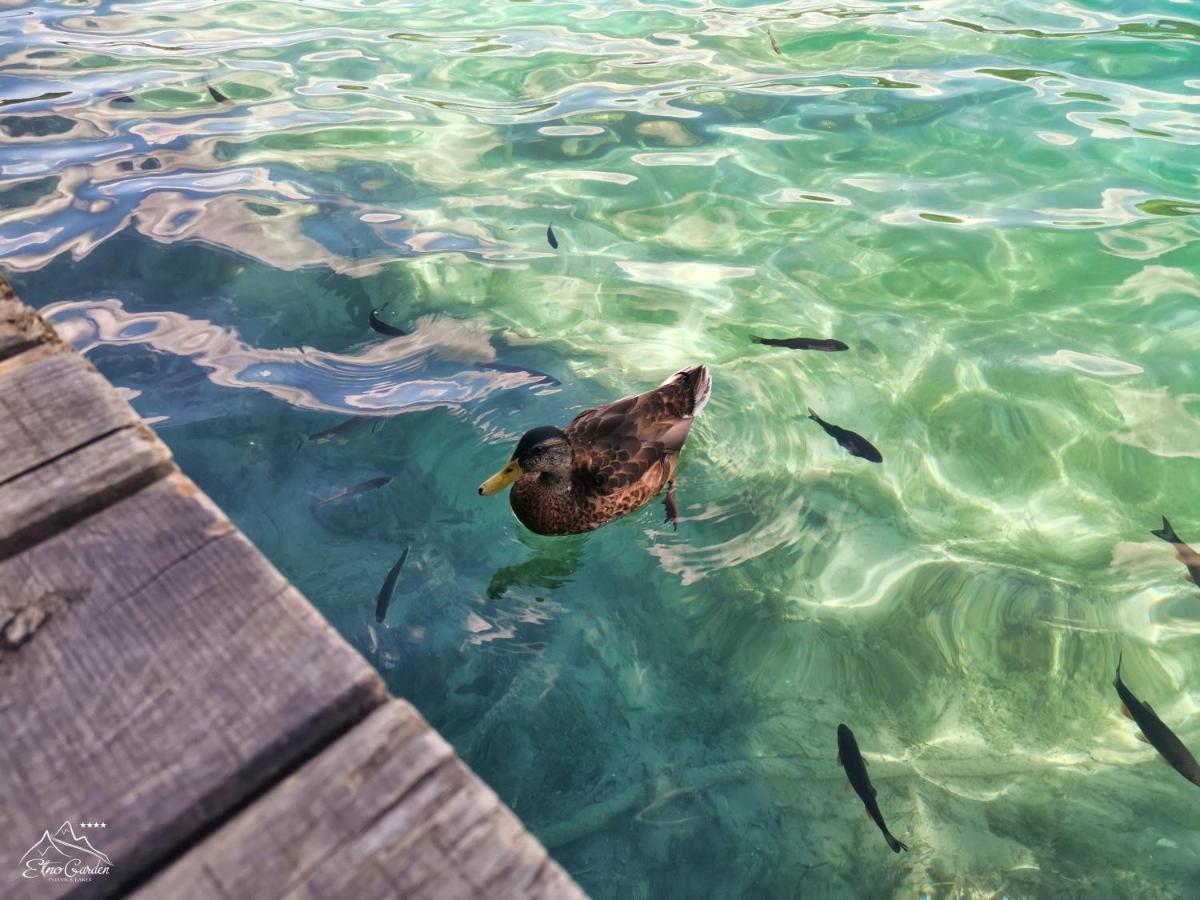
x=994 y=205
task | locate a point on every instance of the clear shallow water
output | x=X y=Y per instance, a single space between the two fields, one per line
x=994 y=204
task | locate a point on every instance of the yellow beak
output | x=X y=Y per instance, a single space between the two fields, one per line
x=502 y=479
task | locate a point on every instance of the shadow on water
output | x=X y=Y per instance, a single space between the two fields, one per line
x=553 y=563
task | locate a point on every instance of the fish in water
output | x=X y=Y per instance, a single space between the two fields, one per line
x=850 y=759
x=774 y=43
x=384 y=600
x=550 y=238
x=829 y=345
x=1155 y=733
x=383 y=327
x=342 y=430
x=504 y=367
x=855 y=444
x=482 y=684
x=371 y=484
x=122 y=98
x=217 y=95
x=1185 y=554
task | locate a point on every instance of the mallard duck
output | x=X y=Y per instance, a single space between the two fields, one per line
x=608 y=462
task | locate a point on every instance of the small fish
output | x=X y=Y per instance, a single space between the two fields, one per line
x=850 y=759
x=855 y=444
x=774 y=43
x=384 y=600
x=1155 y=733
x=122 y=98
x=504 y=367
x=550 y=238
x=342 y=429
x=383 y=327
x=370 y=484
x=829 y=345
x=217 y=95
x=1185 y=554
x=482 y=684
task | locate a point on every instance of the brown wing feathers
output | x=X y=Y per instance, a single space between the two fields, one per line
x=615 y=445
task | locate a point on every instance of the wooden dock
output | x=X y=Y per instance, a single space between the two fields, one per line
x=171 y=704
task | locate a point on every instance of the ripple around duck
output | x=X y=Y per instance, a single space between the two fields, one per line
x=996 y=208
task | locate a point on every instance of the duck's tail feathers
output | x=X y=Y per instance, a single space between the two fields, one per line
x=1167 y=533
x=893 y=843
x=698 y=381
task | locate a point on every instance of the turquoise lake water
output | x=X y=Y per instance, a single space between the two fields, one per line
x=996 y=205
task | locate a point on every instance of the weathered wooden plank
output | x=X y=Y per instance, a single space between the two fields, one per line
x=386 y=811
x=157 y=674
x=177 y=673
x=54 y=496
x=51 y=403
x=20 y=327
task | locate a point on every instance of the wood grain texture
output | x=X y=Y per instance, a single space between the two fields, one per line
x=176 y=674
x=53 y=402
x=20 y=327
x=52 y=497
x=159 y=675
x=387 y=811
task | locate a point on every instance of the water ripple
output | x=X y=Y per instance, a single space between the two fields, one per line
x=995 y=206
x=416 y=372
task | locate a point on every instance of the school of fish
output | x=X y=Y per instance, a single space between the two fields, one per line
x=1153 y=730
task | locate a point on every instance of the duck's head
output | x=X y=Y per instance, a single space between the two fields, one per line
x=543 y=451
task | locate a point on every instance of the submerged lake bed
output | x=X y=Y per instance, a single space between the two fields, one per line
x=994 y=206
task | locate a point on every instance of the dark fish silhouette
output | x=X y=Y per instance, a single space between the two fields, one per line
x=553 y=241
x=370 y=484
x=504 y=367
x=481 y=685
x=122 y=98
x=1155 y=733
x=1185 y=554
x=383 y=327
x=217 y=95
x=343 y=429
x=850 y=759
x=855 y=444
x=774 y=43
x=384 y=600
x=802 y=343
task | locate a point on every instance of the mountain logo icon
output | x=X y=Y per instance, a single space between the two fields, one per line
x=64 y=855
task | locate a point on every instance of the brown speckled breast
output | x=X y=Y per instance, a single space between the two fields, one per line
x=576 y=510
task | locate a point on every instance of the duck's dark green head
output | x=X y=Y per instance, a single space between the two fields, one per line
x=539 y=450
x=537 y=440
